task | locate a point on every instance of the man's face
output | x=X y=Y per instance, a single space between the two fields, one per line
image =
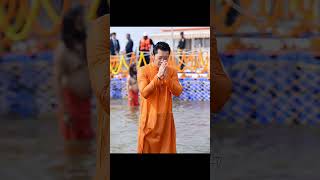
x=128 y=36
x=161 y=57
x=145 y=37
x=114 y=36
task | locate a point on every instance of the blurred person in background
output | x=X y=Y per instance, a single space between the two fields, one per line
x=72 y=78
x=98 y=53
x=5 y=44
x=232 y=14
x=129 y=47
x=145 y=45
x=132 y=86
x=181 y=47
x=114 y=44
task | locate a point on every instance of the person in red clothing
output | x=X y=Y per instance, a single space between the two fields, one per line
x=72 y=79
x=145 y=46
x=132 y=86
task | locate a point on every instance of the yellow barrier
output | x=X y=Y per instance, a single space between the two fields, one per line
x=10 y=32
x=20 y=18
x=26 y=16
x=192 y=62
x=50 y=11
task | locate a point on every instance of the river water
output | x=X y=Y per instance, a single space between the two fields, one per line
x=192 y=121
x=264 y=153
x=34 y=149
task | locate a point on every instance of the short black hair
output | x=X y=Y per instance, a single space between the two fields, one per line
x=69 y=34
x=181 y=33
x=162 y=46
x=133 y=73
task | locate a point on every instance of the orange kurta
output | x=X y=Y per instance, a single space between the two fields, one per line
x=157 y=132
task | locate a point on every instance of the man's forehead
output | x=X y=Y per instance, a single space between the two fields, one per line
x=162 y=53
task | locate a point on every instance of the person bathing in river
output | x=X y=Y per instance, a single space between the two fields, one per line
x=72 y=80
x=132 y=86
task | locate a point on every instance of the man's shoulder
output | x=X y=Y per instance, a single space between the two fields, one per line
x=145 y=67
x=172 y=69
x=148 y=66
x=141 y=72
x=141 y=69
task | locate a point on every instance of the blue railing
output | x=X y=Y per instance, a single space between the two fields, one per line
x=272 y=89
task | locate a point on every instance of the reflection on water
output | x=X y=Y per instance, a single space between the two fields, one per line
x=78 y=161
x=34 y=149
x=192 y=121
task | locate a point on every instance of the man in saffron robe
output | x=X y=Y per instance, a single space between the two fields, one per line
x=157 y=83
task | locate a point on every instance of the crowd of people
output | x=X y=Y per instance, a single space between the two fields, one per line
x=145 y=46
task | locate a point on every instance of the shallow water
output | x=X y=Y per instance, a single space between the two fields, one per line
x=34 y=149
x=287 y=153
x=192 y=121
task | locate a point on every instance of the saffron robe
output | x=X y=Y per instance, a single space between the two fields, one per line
x=156 y=133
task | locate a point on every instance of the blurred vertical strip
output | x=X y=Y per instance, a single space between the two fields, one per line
x=232 y=14
x=103 y=8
